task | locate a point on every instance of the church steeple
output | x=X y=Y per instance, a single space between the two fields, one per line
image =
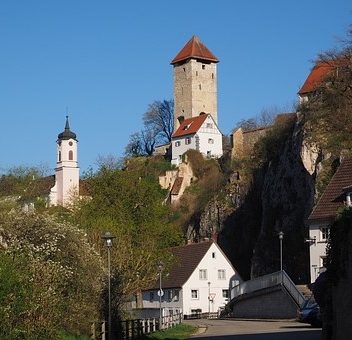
x=67 y=133
x=67 y=170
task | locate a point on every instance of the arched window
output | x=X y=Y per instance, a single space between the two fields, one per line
x=70 y=155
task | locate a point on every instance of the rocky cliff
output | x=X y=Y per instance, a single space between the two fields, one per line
x=252 y=209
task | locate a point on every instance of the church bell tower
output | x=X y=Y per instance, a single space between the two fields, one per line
x=67 y=171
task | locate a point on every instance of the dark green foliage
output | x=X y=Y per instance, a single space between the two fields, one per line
x=338 y=248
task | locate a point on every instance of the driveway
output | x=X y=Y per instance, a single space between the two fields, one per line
x=226 y=329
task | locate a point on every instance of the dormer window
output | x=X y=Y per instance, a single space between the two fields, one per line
x=186 y=127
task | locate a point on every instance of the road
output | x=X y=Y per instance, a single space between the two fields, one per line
x=226 y=329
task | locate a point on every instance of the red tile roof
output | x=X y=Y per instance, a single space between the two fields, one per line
x=194 y=49
x=334 y=194
x=190 y=126
x=315 y=78
x=187 y=259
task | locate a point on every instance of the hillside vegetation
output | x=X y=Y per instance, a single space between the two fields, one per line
x=53 y=260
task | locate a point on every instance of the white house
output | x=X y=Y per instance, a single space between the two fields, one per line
x=337 y=194
x=198 y=282
x=198 y=133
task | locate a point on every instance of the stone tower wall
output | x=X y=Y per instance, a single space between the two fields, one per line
x=195 y=90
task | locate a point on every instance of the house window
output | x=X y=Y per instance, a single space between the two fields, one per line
x=169 y=295
x=324 y=233
x=177 y=143
x=194 y=294
x=323 y=261
x=213 y=255
x=225 y=293
x=177 y=295
x=200 y=86
x=221 y=274
x=203 y=67
x=202 y=274
x=151 y=296
x=209 y=125
x=196 y=73
x=188 y=140
x=211 y=141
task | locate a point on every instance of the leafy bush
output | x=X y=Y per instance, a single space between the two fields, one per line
x=51 y=275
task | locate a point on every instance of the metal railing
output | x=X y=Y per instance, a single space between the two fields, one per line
x=267 y=281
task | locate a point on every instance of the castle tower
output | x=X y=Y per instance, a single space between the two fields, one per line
x=67 y=170
x=195 y=82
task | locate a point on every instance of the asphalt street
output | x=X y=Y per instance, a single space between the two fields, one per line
x=226 y=329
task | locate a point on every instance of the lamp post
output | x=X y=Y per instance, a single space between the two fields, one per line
x=208 y=300
x=108 y=237
x=160 y=293
x=281 y=237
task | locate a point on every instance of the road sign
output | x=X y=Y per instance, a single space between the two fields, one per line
x=160 y=292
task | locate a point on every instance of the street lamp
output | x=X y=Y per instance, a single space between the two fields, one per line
x=160 y=293
x=108 y=237
x=208 y=300
x=281 y=237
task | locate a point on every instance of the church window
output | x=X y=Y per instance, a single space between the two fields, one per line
x=197 y=73
x=212 y=76
x=70 y=155
x=200 y=86
x=59 y=156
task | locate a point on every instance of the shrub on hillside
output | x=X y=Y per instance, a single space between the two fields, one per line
x=51 y=277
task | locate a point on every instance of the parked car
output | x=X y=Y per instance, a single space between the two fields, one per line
x=309 y=312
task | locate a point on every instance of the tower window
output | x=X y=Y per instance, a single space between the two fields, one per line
x=200 y=86
x=59 y=156
x=197 y=73
x=70 y=155
x=203 y=67
x=212 y=76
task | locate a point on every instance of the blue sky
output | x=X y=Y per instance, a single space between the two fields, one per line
x=107 y=60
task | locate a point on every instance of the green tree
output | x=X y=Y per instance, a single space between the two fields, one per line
x=130 y=204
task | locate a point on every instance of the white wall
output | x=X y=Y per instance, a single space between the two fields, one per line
x=317 y=250
x=212 y=264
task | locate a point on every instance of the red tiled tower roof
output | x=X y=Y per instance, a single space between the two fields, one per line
x=194 y=49
x=334 y=194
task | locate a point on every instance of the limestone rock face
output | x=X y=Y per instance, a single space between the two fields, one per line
x=310 y=154
x=279 y=198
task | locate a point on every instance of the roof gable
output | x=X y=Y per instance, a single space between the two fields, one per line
x=191 y=126
x=194 y=49
x=186 y=258
x=334 y=194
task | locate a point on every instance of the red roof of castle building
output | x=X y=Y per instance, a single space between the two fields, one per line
x=190 y=126
x=315 y=78
x=194 y=49
x=335 y=193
